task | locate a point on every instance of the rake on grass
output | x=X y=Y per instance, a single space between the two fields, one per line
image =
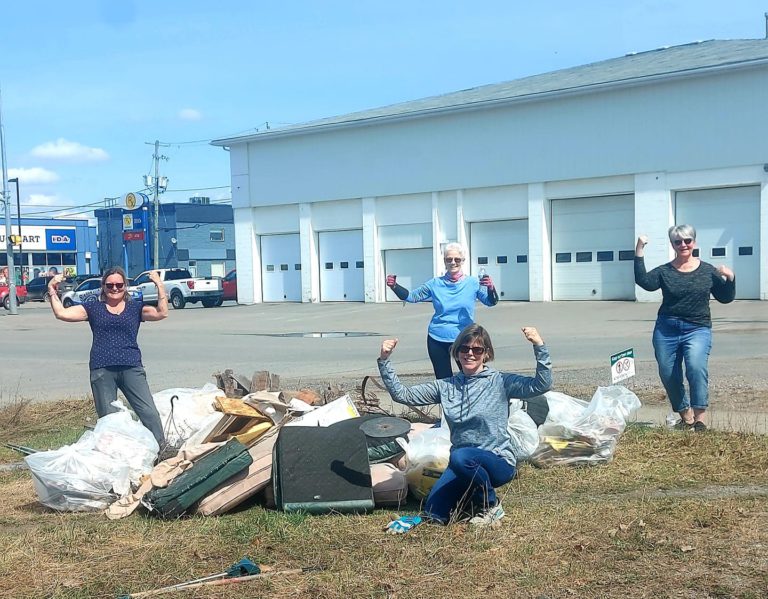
x=243 y=571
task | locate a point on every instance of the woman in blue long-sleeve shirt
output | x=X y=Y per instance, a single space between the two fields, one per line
x=453 y=298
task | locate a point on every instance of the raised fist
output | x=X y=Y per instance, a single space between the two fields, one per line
x=391 y=280
x=387 y=347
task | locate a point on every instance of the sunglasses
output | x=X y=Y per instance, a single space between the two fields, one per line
x=452 y=260
x=476 y=351
x=114 y=286
x=686 y=241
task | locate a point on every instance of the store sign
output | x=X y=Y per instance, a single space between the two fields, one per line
x=60 y=240
x=133 y=236
x=32 y=238
x=132 y=201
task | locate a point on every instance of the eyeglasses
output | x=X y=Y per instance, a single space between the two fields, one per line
x=114 y=286
x=686 y=241
x=476 y=351
x=453 y=260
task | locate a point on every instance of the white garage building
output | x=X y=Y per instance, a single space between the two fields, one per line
x=547 y=180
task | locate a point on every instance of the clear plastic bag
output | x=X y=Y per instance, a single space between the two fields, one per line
x=75 y=478
x=524 y=433
x=427 y=457
x=577 y=433
x=97 y=470
x=126 y=441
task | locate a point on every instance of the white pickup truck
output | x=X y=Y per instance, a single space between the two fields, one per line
x=182 y=288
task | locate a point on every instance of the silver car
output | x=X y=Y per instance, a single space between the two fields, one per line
x=89 y=291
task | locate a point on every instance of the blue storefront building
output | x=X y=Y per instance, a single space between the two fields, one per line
x=197 y=235
x=55 y=245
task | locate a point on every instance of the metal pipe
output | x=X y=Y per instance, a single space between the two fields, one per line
x=14 y=308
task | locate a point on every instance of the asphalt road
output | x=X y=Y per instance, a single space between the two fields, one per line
x=45 y=359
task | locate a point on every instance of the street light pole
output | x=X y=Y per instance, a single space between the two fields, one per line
x=18 y=224
x=14 y=309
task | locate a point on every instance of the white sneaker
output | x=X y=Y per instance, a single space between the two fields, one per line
x=490 y=517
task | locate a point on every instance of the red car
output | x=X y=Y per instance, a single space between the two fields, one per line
x=5 y=298
x=229 y=283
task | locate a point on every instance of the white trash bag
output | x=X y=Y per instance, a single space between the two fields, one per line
x=524 y=433
x=191 y=411
x=577 y=433
x=75 y=478
x=98 y=469
x=427 y=457
x=126 y=441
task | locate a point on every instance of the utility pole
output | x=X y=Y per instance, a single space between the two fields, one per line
x=14 y=309
x=156 y=185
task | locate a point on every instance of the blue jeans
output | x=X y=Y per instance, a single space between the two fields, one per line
x=676 y=341
x=471 y=475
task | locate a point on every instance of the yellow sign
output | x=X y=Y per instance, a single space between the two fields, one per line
x=127 y=222
x=131 y=201
x=15 y=239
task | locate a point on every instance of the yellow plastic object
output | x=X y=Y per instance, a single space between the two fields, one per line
x=252 y=432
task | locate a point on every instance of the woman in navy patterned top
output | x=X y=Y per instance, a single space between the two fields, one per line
x=115 y=360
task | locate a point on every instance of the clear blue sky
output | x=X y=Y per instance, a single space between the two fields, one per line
x=86 y=83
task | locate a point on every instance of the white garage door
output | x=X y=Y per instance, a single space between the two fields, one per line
x=412 y=266
x=280 y=268
x=593 y=248
x=727 y=223
x=341 y=266
x=501 y=248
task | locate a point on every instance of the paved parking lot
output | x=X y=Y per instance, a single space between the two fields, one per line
x=47 y=359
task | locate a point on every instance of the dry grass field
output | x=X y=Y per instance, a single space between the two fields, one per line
x=674 y=515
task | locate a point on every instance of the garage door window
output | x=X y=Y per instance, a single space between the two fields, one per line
x=562 y=257
x=297 y=267
x=329 y=266
x=359 y=264
x=283 y=267
x=270 y=268
x=627 y=255
x=718 y=252
x=501 y=259
x=482 y=260
x=583 y=256
x=522 y=259
x=695 y=253
x=745 y=250
x=344 y=265
x=605 y=256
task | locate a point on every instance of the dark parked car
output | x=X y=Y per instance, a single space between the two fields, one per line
x=71 y=283
x=37 y=289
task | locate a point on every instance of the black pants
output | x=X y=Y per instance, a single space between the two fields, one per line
x=440 y=355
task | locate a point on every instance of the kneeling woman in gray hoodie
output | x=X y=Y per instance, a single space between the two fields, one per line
x=476 y=406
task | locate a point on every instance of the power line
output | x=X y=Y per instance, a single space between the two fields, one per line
x=196 y=189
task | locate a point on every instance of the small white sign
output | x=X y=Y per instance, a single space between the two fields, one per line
x=622 y=365
x=127 y=222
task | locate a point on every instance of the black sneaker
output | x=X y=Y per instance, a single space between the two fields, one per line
x=682 y=425
x=699 y=426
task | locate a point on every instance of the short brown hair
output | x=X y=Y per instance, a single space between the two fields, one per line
x=471 y=333
x=115 y=270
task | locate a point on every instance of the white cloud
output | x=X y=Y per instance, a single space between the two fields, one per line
x=70 y=151
x=190 y=114
x=30 y=176
x=40 y=199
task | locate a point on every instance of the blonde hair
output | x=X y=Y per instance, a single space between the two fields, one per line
x=456 y=247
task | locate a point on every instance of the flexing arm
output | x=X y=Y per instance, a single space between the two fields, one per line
x=523 y=387
x=418 y=395
x=72 y=314
x=150 y=313
x=650 y=281
x=724 y=285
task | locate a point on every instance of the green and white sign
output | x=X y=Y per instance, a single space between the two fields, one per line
x=622 y=365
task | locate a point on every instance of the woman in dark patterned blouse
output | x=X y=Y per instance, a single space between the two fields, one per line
x=115 y=361
x=683 y=331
